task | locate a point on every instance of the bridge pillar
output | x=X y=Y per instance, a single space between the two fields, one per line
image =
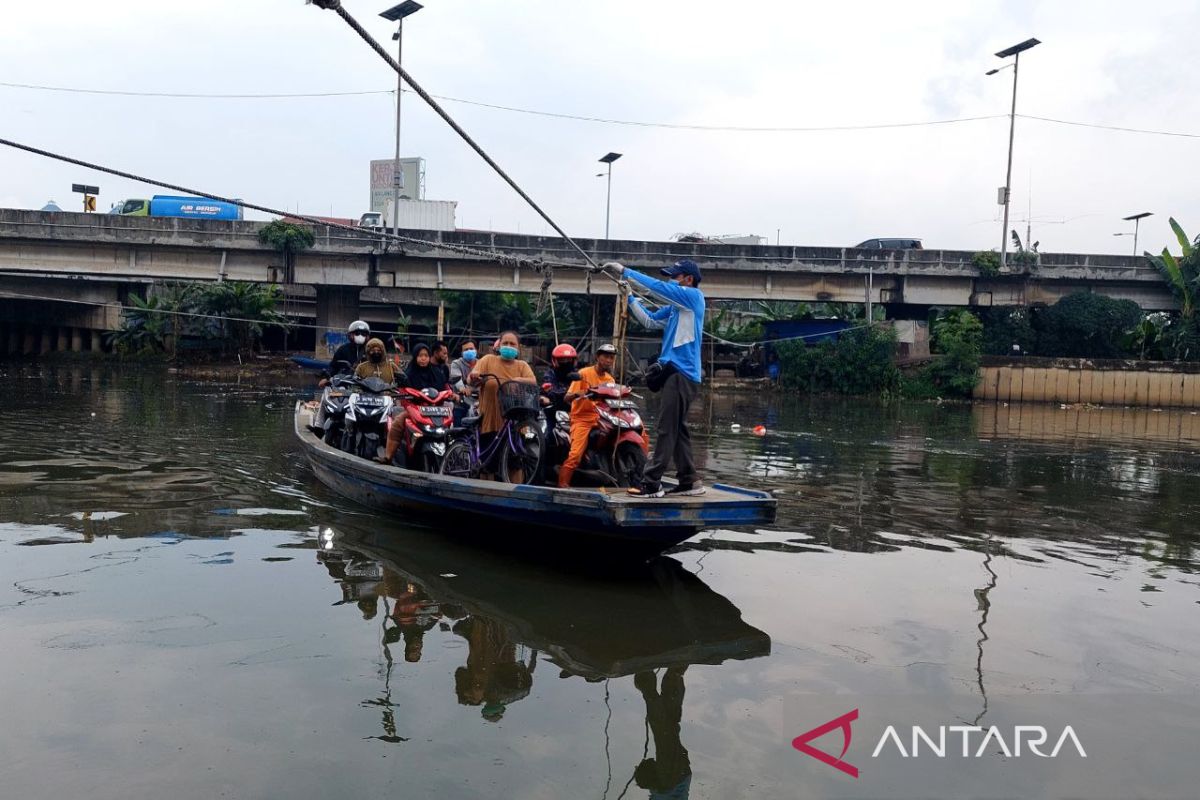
x=337 y=307
x=76 y=340
x=97 y=341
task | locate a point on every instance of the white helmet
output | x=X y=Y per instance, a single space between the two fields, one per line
x=358 y=326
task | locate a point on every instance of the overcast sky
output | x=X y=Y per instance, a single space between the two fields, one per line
x=696 y=63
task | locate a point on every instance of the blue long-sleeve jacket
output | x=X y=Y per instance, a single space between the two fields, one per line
x=681 y=317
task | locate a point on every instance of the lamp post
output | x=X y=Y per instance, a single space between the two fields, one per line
x=1137 y=219
x=608 y=159
x=1006 y=190
x=397 y=14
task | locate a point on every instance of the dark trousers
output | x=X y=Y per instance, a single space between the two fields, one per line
x=671 y=437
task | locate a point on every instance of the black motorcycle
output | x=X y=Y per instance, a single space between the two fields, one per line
x=367 y=410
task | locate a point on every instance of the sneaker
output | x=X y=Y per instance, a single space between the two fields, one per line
x=647 y=489
x=686 y=490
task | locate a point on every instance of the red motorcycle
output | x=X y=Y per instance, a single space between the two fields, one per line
x=426 y=428
x=617 y=446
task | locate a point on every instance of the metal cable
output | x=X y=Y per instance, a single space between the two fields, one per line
x=336 y=5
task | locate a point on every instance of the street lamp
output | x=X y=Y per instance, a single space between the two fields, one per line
x=1006 y=190
x=608 y=159
x=1137 y=219
x=397 y=14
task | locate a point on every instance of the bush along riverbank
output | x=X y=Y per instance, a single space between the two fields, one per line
x=863 y=362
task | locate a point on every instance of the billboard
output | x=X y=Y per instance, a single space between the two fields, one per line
x=412 y=181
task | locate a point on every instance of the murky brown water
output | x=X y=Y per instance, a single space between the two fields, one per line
x=186 y=612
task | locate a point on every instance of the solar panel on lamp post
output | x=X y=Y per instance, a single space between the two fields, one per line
x=608 y=159
x=1006 y=190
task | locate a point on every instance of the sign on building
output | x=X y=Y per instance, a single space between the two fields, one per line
x=412 y=181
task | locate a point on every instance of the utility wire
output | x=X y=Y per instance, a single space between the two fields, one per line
x=600 y=120
x=349 y=19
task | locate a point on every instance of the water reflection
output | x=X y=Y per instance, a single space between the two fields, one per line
x=650 y=622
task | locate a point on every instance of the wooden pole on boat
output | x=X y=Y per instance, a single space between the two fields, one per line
x=620 y=323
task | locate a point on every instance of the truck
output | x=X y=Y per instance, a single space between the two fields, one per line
x=415 y=215
x=162 y=205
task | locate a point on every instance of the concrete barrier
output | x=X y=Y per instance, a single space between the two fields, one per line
x=1106 y=382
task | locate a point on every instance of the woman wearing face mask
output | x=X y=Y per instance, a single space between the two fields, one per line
x=376 y=365
x=506 y=366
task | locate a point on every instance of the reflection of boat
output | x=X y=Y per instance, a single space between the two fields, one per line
x=566 y=516
x=643 y=618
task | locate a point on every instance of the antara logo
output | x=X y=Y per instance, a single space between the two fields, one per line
x=1024 y=740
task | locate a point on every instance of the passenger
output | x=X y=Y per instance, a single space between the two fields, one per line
x=460 y=369
x=506 y=366
x=562 y=364
x=441 y=359
x=583 y=411
x=422 y=374
x=352 y=352
x=376 y=365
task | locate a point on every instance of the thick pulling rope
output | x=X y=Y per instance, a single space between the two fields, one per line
x=336 y=5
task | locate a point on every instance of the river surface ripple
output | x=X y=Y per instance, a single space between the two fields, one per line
x=185 y=611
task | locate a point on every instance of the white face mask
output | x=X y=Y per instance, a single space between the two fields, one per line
x=360 y=339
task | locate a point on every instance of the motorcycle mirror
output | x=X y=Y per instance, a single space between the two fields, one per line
x=574 y=376
x=546 y=387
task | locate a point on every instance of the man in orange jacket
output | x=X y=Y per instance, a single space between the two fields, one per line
x=583 y=411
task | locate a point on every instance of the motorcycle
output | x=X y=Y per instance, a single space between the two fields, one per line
x=368 y=411
x=617 y=446
x=334 y=398
x=426 y=428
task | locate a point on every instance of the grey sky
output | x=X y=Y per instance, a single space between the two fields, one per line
x=747 y=64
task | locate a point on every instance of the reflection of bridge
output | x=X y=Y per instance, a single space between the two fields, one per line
x=102 y=256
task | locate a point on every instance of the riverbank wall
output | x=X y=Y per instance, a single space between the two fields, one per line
x=1106 y=382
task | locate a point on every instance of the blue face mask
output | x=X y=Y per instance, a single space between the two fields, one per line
x=508 y=352
x=468 y=355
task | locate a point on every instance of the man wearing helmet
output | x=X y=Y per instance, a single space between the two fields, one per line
x=583 y=411
x=354 y=351
x=556 y=380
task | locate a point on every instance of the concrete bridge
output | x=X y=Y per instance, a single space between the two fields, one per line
x=92 y=257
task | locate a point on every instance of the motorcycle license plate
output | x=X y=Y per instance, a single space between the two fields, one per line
x=621 y=404
x=433 y=411
x=370 y=401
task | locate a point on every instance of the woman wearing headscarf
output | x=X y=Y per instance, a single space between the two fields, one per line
x=422 y=374
x=376 y=365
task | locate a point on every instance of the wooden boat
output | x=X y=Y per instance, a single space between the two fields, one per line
x=571 y=517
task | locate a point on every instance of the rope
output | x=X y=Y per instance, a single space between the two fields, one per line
x=336 y=5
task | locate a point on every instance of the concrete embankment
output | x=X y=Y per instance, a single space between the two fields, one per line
x=1107 y=382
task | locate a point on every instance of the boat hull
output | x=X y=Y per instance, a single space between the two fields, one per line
x=557 y=516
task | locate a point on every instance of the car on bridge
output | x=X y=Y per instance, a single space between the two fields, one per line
x=889 y=244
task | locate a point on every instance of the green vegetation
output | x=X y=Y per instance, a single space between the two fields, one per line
x=861 y=362
x=229 y=316
x=987 y=262
x=958 y=340
x=288 y=239
x=1181 y=274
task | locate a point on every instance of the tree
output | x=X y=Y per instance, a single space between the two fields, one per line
x=288 y=239
x=241 y=311
x=1086 y=325
x=958 y=338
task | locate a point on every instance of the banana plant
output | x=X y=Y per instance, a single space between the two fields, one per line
x=1181 y=274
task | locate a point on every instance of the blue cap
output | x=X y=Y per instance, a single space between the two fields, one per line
x=684 y=266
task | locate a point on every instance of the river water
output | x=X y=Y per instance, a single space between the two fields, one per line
x=186 y=612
